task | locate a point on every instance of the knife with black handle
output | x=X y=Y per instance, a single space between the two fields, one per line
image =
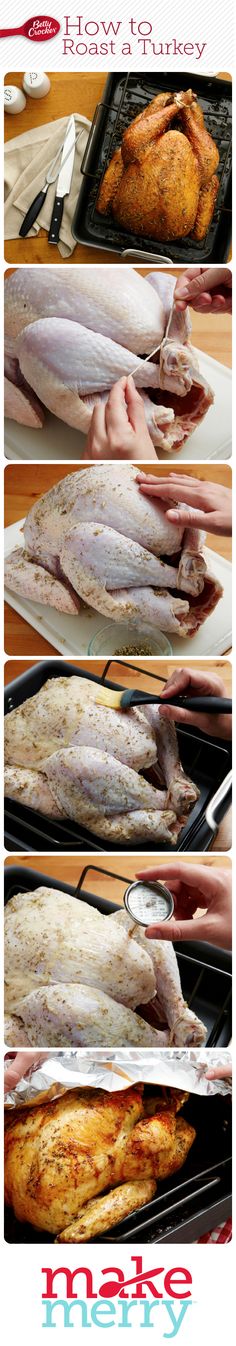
x=33 y=211
x=56 y=219
x=66 y=153
x=63 y=184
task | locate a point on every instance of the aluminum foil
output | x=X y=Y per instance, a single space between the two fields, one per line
x=113 y=1070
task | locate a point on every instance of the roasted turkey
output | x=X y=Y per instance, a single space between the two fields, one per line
x=94 y=536
x=60 y=1158
x=162 y=181
x=70 y=336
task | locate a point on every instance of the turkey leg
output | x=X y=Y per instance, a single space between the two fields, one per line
x=91 y=553
x=203 y=145
x=65 y=361
x=185 y=1027
x=104 y=1212
x=33 y=582
x=182 y=793
x=21 y=405
x=103 y=794
x=192 y=567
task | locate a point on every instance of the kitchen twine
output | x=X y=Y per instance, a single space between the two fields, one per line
x=156 y=348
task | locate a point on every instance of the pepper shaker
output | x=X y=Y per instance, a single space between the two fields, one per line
x=36 y=83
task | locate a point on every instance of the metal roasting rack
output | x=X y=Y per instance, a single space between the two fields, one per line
x=125 y=96
x=205 y=760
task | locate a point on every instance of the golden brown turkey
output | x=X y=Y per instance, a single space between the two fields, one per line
x=61 y=1156
x=162 y=181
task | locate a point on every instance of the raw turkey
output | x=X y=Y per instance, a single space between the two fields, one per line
x=51 y=937
x=168 y=1003
x=74 y=976
x=103 y=542
x=69 y=337
x=68 y=757
x=76 y=1015
x=61 y=1156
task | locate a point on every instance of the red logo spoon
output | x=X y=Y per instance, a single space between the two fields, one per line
x=112 y=1288
x=39 y=29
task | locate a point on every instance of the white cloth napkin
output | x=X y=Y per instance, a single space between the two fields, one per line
x=26 y=161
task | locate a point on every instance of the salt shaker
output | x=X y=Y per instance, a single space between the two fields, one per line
x=36 y=83
x=14 y=99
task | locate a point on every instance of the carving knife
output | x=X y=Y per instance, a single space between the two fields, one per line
x=64 y=182
x=64 y=152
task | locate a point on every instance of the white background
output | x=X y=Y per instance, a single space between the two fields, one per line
x=211 y=1318
x=187 y=22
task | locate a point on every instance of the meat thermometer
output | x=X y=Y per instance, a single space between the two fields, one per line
x=149 y=903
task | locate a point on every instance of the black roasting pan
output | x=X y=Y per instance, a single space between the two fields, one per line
x=207 y=761
x=188 y=1204
x=124 y=96
x=196 y=1200
x=205 y=970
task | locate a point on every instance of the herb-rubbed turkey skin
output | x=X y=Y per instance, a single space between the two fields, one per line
x=68 y=757
x=158 y=194
x=52 y=937
x=81 y=1016
x=74 y=976
x=169 y=1004
x=105 y=1212
x=64 y=714
x=102 y=541
x=206 y=204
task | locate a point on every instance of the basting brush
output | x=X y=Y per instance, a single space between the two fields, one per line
x=126 y=697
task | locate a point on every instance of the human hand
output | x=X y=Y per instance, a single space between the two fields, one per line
x=194 y=886
x=201 y=504
x=19 y=1066
x=118 y=427
x=207 y=289
x=220 y=1073
x=187 y=682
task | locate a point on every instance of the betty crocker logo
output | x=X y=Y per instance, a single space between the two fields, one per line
x=42 y=28
x=71 y=1298
x=38 y=29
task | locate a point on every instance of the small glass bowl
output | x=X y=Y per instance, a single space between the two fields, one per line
x=117 y=638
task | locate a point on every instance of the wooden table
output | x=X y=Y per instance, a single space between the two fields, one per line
x=68 y=869
x=25 y=483
x=14 y=668
x=70 y=92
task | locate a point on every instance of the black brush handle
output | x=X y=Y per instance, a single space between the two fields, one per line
x=32 y=213
x=203 y=705
x=210 y=705
x=56 y=219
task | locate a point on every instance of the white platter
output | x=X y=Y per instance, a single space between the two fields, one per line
x=212 y=439
x=72 y=635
